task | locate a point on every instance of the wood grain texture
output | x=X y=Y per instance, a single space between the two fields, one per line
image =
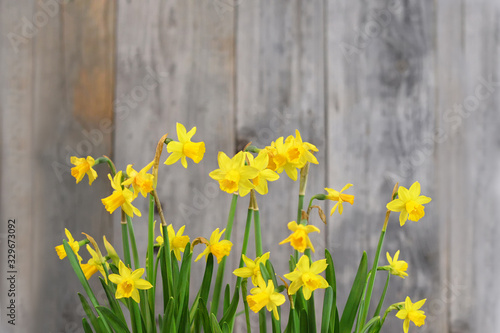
x=49 y=115
x=190 y=49
x=280 y=88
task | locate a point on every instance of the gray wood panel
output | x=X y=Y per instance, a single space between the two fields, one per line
x=53 y=95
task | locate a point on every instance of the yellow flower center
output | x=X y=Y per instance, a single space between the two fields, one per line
x=180 y=242
x=80 y=169
x=417 y=318
x=279 y=160
x=257 y=302
x=126 y=287
x=194 y=150
x=144 y=183
x=311 y=281
x=220 y=250
x=299 y=239
x=415 y=210
x=293 y=154
x=230 y=182
x=114 y=201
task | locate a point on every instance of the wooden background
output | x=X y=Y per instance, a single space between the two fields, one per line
x=389 y=91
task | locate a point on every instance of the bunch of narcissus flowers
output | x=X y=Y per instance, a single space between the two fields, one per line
x=131 y=295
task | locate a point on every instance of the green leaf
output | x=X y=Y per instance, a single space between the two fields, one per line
x=230 y=312
x=330 y=278
x=304 y=324
x=115 y=322
x=203 y=312
x=311 y=311
x=88 y=311
x=327 y=310
x=86 y=326
x=372 y=325
x=113 y=303
x=214 y=324
x=352 y=304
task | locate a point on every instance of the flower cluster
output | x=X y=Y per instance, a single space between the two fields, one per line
x=247 y=172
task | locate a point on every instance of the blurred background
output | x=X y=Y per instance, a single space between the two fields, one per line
x=389 y=91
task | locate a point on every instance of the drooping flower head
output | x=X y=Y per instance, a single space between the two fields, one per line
x=253 y=268
x=185 y=147
x=299 y=239
x=307 y=277
x=219 y=248
x=121 y=197
x=177 y=242
x=340 y=198
x=61 y=252
x=233 y=175
x=265 y=295
x=411 y=312
x=129 y=282
x=141 y=181
x=409 y=203
x=83 y=166
x=260 y=163
x=94 y=264
x=397 y=267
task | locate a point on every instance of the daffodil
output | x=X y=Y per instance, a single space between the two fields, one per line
x=219 y=248
x=83 y=166
x=265 y=295
x=409 y=203
x=299 y=239
x=340 y=198
x=61 y=252
x=307 y=277
x=129 y=282
x=299 y=152
x=94 y=264
x=121 y=197
x=411 y=312
x=260 y=163
x=177 y=242
x=184 y=147
x=233 y=175
x=253 y=267
x=141 y=181
x=397 y=267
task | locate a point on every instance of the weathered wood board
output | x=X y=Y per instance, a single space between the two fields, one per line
x=389 y=91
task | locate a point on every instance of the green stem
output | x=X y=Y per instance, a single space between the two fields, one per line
x=245 y=304
x=258 y=233
x=137 y=264
x=382 y=298
x=220 y=270
x=126 y=247
x=245 y=242
x=371 y=283
x=107 y=160
x=150 y=253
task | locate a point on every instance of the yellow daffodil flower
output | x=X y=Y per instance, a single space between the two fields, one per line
x=111 y=252
x=260 y=163
x=340 y=197
x=265 y=296
x=141 y=181
x=94 y=265
x=177 y=242
x=72 y=243
x=129 y=282
x=307 y=277
x=83 y=166
x=397 y=267
x=184 y=147
x=219 y=248
x=411 y=312
x=121 y=197
x=253 y=267
x=409 y=203
x=233 y=175
x=299 y=239
x=299 y=152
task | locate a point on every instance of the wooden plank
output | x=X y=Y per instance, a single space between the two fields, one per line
x=189 y=48
x=380 y=115
x=56 y=115
x=280 y=88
